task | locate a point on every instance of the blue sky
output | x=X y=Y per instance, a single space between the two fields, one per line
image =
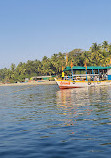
x=31 y=29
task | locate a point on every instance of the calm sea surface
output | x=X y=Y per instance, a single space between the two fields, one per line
x=45 y=122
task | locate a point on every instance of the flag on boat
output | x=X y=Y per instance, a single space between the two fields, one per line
x=66 y=59
x=85 y=65
x=71 y=64
x=62 y=68
x=110 y=62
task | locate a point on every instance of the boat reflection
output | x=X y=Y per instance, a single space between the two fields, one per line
x=79 y=104
x=82 y=96
x=72 y=97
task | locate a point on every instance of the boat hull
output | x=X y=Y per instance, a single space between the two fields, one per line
x=63 y=84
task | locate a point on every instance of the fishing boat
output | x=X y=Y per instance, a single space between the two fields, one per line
x=87 y=76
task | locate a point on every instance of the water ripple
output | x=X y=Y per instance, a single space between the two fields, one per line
x=44 y=121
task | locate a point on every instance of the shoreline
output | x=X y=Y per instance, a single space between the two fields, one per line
x=30 y=83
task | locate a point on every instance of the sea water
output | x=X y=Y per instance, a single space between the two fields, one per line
x=43 y=121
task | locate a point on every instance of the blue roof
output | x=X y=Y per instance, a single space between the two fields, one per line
x=88 y=68
x=98 y=67
x=78 y=68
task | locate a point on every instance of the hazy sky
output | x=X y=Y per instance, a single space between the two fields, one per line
x=31 y=29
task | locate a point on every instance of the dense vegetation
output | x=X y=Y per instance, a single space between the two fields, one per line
x=98 y=55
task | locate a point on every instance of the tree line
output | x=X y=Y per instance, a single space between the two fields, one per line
x=97 y=55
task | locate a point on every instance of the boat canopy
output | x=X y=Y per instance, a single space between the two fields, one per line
x=88 y=68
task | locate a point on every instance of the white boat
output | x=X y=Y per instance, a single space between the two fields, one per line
x=92 y=76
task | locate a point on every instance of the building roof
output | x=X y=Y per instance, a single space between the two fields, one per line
x=41 y=76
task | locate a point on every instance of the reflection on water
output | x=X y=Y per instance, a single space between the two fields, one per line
x=83 y=96
x=44 y=121
x=70 y=100
x=91 y=106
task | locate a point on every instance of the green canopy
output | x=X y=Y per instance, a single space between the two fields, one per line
x=88 y=68
x=78 y=68
x=97 y=67
x=67 y=68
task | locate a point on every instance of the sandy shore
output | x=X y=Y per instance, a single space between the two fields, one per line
x=30 y=83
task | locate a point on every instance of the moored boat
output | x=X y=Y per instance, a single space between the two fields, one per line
x=78 y=77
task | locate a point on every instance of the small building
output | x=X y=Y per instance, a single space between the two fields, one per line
x=26 y=79
x=36 y=78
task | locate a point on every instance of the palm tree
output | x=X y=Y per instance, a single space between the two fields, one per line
x=95 y=47
x=105 y=45
x=13 y=67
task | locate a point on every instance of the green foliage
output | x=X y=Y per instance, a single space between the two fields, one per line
x=98 y=55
